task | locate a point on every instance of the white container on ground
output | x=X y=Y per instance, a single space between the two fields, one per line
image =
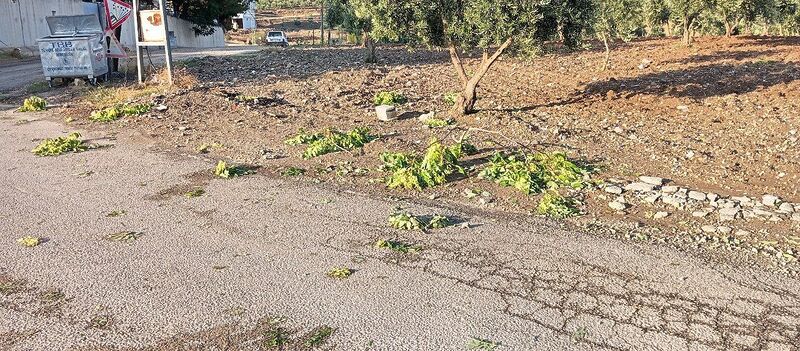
x=386 y=112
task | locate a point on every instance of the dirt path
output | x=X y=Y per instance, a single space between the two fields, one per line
x=248 y=260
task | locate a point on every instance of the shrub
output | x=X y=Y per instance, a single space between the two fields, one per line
x=224 y=171
x=554 y=205
x=437 y=122
x=450 y=98
x=115 y=112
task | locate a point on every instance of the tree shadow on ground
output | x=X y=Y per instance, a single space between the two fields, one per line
x=725 y=55
x=699 y=82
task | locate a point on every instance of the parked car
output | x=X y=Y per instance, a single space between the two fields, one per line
x=277 y=38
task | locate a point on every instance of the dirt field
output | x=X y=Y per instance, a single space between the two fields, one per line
x=720 y=117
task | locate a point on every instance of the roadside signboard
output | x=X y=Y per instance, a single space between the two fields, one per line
x=115 y=49
x=117 y=11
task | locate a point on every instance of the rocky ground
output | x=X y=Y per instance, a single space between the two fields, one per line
x=714 y=129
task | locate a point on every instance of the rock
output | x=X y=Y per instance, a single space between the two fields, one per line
x=652 y=180
x=386 y=112
x=729 y=213
x=786 y=208
x=701 y=213
x=652 y=198
x=644 y=63
x=683 y=108
x=744 y=200
x=747 y=214
x=674 y=201
x=161 y=108
x=689 y=154
x=426 y=116
x=712 y=197
x=660 y=214
x=613 y=189
x=726 y=203
x=617 y=205
x=770 y=200
x=696 y=195
x=639 y=186
x=761 y=211
x=621 y=199
x=724 y=230
x=618 y=130
x=796 y=217
x=682 y=193
x=669 y=189
x=708 y=229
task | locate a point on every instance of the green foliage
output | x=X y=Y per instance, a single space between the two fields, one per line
x=396 y=246
x=29 y=241
x=60 y=145
x=206 y=14
x=124 y=236
x=293 y=172
x=535 y=173
x=196 y=192
x=554 y=205
x=438 y=222
x=405 y=221
x=437 y=122
x=224 y=171
x=409 y=171
x=450 y=98
x=115 y=112
x=331 y=141
x=340 y=272
x=389 y=98
x=319 y=336
x=33 y=104
x=482 y=344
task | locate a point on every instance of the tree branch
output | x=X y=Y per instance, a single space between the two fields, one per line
x=489 y=61
x=462 y=74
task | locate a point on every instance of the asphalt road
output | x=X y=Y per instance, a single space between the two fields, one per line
x=226 y=270
x=18 y=74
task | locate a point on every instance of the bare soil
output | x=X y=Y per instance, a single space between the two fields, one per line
x=720 y=116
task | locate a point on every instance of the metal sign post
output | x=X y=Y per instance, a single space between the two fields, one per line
x=156 y=34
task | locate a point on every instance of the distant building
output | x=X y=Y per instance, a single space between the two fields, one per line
x=247 y=19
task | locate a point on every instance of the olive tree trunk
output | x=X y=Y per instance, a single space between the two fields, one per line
x=369 y=44
x=465 y=103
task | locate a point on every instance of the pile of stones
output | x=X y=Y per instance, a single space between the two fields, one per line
x=654 y=190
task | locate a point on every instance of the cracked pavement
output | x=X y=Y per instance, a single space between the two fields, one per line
x=207 y=272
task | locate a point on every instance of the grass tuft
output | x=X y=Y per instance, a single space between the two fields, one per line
x=60 y=145
x=33 y=104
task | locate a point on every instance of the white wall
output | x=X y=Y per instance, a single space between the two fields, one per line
x=22 y=22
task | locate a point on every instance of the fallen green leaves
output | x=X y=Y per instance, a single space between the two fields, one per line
x=437 y=122
x=116 y=112
x=482 y=344
x=406 y=221
x=293 y=172
x=196 y=192
x=224 y=171
x=556 y=206
x=396 y=246
x=331 y=141
x=319 y=336
x=33 y=104
x=535 y=173
x=29 y=241
x=115 y=213
x=389 y=98
x=60 y=145
x=340 y=272
x=124 y=236
x=410 y=171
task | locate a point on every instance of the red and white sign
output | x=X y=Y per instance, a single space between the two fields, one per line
x=117 y=11
x=115 y=49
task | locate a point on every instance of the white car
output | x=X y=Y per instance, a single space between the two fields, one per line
x=277 y=38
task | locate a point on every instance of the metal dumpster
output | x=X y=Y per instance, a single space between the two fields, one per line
x=74 y=49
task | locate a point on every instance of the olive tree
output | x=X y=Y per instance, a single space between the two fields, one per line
x=492 y=27
x=615 y=19
x=688 y=11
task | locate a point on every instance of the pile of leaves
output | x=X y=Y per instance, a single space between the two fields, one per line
x=331 y=141
x=29 y=241
x=60 y=145
x=410 y=171
x=340 y=272
x=552 y=204
x=224 y=171
x=389 y=98
x=437 y=122
x=116 y=112
x=535 y=173
x=406 y=221
x=33 y=104
x=396 y=246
